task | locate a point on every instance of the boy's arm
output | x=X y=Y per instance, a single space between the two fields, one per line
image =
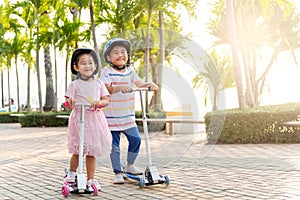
x=141 y=84
x=114 y=89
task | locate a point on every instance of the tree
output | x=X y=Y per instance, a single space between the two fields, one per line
x=235 y=53
x=134 y=23
x=27 y=15
x=258 y=24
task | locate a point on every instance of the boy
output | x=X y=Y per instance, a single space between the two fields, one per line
x=119 y=78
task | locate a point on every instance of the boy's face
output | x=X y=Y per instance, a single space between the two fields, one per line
x=86 y=65
x=118 y=56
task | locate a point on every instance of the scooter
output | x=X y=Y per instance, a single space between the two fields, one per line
x=150 y=175
x=79 y=186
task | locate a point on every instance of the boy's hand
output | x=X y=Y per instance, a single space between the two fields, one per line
x=153 y=87
x=125 y=89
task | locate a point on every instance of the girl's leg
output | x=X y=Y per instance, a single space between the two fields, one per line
x=90 y=167
x=74 y=163
x=134 y=143
x=115 y=152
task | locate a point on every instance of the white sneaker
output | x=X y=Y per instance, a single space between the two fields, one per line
x=131 y=169
x=95 y=182
x=118 y=179
x=71 y=177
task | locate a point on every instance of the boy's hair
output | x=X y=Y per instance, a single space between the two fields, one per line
x=76 y=55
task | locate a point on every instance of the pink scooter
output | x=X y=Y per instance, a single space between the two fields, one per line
x=79 y=186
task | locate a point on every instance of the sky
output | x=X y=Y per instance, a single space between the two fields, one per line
x=284 y=81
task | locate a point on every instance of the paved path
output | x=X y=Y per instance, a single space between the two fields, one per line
x=32 y=163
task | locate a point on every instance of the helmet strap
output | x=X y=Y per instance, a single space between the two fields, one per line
x=117 y=67
x=78 y=76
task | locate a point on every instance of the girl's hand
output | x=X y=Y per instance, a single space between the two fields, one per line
x=68 y=104
x=97 y=104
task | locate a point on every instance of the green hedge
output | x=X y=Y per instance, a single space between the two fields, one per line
x=152 y=127
x=254 y=125
x=38 y=119
x=49 y=119
x=6 y=118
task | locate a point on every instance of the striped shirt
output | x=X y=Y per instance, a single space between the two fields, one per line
x=120 y=112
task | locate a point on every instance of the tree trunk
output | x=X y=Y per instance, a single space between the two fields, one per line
x=8 y=88
x=246 y=55
x=38 y=63
x=235 y=54
x=147 y=55
x=18 y=87
x=49 y=103
x=160 y=65
x=55 y=74
x=28 y=103
x=94 y=37
x=261 y=80
x=2 y=88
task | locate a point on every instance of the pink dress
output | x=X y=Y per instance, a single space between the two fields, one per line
x=97 y=136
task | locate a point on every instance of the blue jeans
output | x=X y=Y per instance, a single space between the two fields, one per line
x=134 y=143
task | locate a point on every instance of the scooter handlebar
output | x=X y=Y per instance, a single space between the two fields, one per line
x=141 y=89
x=82 y=104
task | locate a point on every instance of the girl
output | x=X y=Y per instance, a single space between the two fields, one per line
x=85 y=89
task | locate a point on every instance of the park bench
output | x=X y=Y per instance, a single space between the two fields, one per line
x=292 y=124
x=16 y=114
x=169 y=122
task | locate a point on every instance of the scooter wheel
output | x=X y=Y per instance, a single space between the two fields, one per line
x=65 y=191
x=167 y=180
x=125 y=177
x=141 y=182
x=94 y=187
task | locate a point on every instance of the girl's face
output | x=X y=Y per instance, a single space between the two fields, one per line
x=85 y=66
x=118 y=56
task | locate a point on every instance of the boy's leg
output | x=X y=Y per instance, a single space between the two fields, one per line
x=115 y=152
x=90 y=167
x=134 y=143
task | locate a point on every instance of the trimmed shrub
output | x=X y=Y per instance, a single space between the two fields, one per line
x=49 y=119
x=6 y=118
x=38 y=119
x=152 y=127
x=264 y=124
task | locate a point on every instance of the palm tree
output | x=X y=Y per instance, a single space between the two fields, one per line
x=27 y=14
x=131 y=23
x=3 y=51
x=258 y=24
x=94 y=34
x=235 y=53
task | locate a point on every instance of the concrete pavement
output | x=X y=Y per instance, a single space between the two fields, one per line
x=32 y=163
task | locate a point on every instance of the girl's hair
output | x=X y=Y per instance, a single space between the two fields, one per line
x=78 y=53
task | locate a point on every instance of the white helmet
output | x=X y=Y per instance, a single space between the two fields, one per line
x=113 y=42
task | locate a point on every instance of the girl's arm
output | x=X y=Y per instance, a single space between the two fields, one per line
x=100 y=103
